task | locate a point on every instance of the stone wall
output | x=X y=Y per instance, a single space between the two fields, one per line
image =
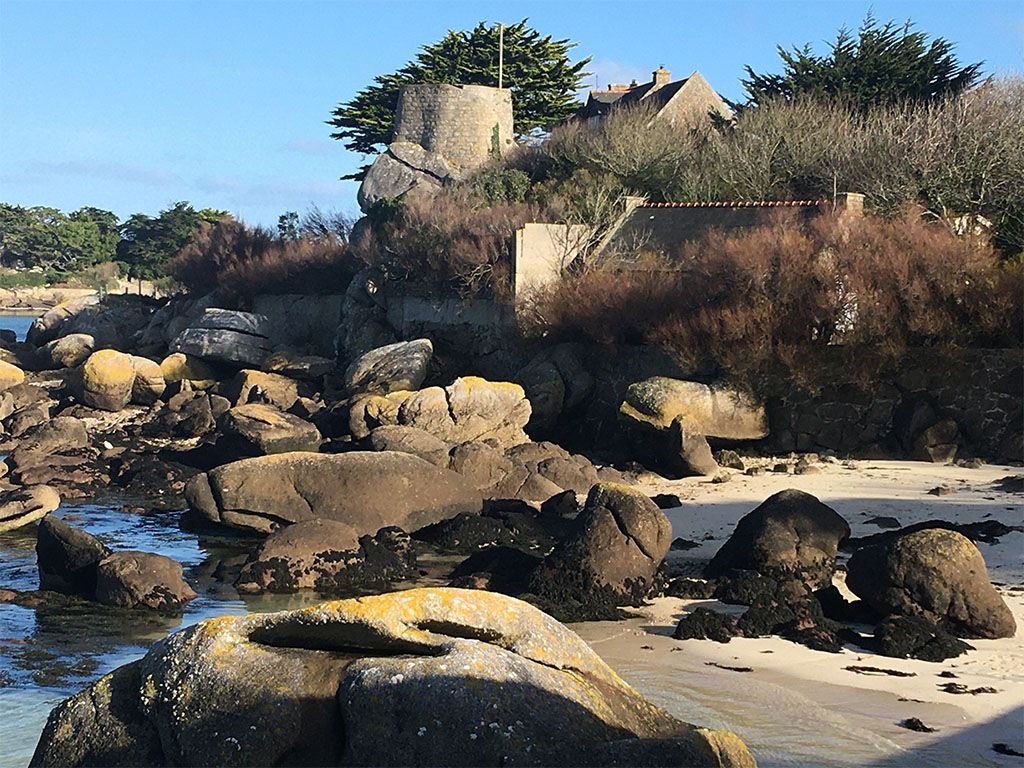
x=542 y=252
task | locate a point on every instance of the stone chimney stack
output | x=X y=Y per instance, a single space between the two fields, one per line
x=661 y=76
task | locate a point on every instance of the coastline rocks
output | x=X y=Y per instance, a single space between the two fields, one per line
x=141 y=580
x=467 y=410
x=148 y=385
x=10 y=375
x=296 y=366
x=934 y=573
x=48 y=325
x=107 y=380
x=329 y=557
x=263 y=429
x=256 y=386
x=67 y=557
x=915 y=637
x=410 y=440
x=420 y=677
x=614 y=549
x=790 y=533
x=393 y=368
x=367 y=490
x=225 y=336
x=26 y=505
x=67 y=352
x=714 y=411
x=179 y=367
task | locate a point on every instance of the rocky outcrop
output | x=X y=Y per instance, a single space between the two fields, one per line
x=67 y=352
x=10 y=375
x=557 y=384
x=49 y=325
x=421 y=677
x=141 y=580
x=261 y=430
x=790 y=534
x=366 y=490
x=393 y=368
x=107 y=380
x=467 y=410
x=179 y=367
x=249 y=386
x=226 y=336
x=298 y=366
x=934 y=573
x=20 y=507
x=148 y=385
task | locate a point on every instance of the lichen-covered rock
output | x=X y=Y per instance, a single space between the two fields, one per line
x=67 y=351
x=264 y=429
x=142 y=580
x=790 y=534
x=367 y=490
x=26 y=505
x=107 y=380
x=393 y=368
x=934 y=573
x=422 y=677
x=715 y=411
x=256 y=386
x=149 y=384
x=10 y=375
x=226 y=336
x=178 y=367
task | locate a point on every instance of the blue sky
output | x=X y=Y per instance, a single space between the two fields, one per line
x=131 y=106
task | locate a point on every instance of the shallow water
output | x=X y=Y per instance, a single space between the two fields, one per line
x=18 y=323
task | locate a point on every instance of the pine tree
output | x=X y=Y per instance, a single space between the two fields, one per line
x=536 y=69
x=881 y=65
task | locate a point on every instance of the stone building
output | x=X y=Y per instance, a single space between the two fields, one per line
x=442 y=133
x=685 y=100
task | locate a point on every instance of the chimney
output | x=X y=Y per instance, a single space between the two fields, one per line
x=661 y=76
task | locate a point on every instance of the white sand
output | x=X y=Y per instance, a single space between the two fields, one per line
x=801 y=707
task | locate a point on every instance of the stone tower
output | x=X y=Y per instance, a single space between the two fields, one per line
x=442 y=133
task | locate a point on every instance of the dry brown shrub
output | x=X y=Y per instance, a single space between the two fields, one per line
x=447 y=243
x=236 y=260
x=786 y=302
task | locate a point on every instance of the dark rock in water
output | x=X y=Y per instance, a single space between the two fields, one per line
x=617 y=543
x=705 y=624
x=667 y=501
x=497 y=569
x=691 y=589
x=883 y=522
x=1005 y=749
x=934 y=573
x=329 y=557
x=68 y=557
x=402 y=679
x=790 y=531
x=681 y=545
x=915 y=637
x=142 y=580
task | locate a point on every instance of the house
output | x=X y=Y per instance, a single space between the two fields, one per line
x=682 y=100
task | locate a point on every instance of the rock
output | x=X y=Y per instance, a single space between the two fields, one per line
x=67 y=352
x=264 y=429
x=193 y=418
x=367 y=490
x=10 y=375
x=179 y=367
x=616 y=544
x=470 y=409
x=934 y=573
x=573 y=474
x=48 y=325
x=274 y=388
x=704 y=624
x=142 y=580
x=938 y=443
x=67 y=557
x=27 y=417
x=396 y=367
x=226 y=336
x=487 y=468
x=410 y=440
x=914 y=637
x=715 y=411
x=149 y=384
x=545 y=389
x=327 y=556
x=689 y=450
x=26 y=505
x=297 y=366
x=407 y=678
x=107 y=380
x=790 y=533
x=730 y=459
x=59 y=434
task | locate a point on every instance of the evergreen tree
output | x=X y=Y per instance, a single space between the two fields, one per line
x=881 y=65
x=147 y=243
x=536 y=69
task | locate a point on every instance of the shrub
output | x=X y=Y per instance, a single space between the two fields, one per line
x=788 y=301
x=446 y=244
x=237 y=260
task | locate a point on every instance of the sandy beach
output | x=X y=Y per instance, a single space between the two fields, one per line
x=796 y=706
